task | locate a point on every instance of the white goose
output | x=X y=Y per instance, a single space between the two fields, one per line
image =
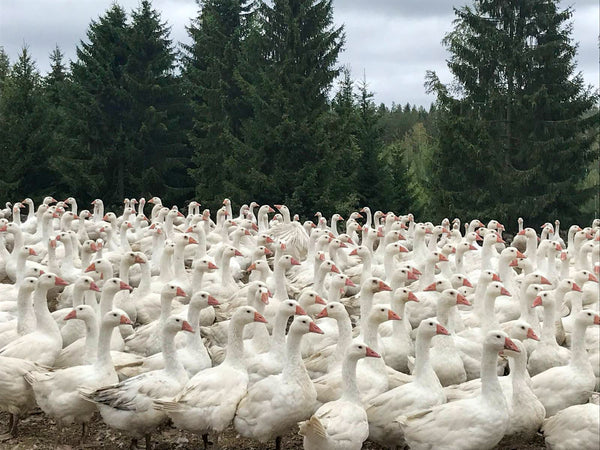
x=209 y=400
x=44 y=344
x=577 y=426
x=341 y=424
x=424 y=392
x=128 y=405
x=564 y=386
x=472 y=424
x=56 y=392
x=276 y=403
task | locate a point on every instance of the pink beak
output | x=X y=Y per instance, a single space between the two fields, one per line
x=212 y=301
x=467 y=283
x=504 y=291
x=372 y=353
x=72 y=315
x=185 y=326
x=295 y=262
x=334 y=269
x=531 y=335
x=125 y=320
x=412 y=297
x=462 y=300
x=576 y=288
x=124 y=286
x=212 y=266
x=180 y=292
x=313 y=328
x=94 y=287
x=300 y=311
x=319 y=300
x=384 y=287
x=323 y=313
x=430 y=288
x=392 y=315
x=441 y=330
x=259 y=318
x=510 y=345
x=349 y=282
x=60 y=282
x=537 y=301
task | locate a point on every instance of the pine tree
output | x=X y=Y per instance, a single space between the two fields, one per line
x=4 y=67
x=157 y=109
x=515 y=133
x=210 y=64
x=294 y=50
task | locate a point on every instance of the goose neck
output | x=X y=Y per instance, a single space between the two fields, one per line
x=172 y=363
x=45 y=321
x=25 y=313
x=549 y=326
x=235 y=345
x=351 y=392
x=490 y=386
x=579 y=356
x=366 y=303
x=423 y=370
x=103 y=358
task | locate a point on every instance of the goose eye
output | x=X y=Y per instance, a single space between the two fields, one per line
x=114 y=315
x=498 y=336
x=176 y=320
x=522 y=327
x=360 y=347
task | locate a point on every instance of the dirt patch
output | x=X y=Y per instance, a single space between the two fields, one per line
x=38 y=432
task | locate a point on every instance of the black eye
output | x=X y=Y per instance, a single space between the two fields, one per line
x=522 y=327
x=114 y=315
x=360 y=346
x=498 y=336
x=331 y=306
x=176 y=320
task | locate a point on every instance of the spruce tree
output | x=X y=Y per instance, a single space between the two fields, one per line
x=291 y=60
x=515 y=128
x=210 y=65
x=96 y=161
x=23 y=171
x=154 y=120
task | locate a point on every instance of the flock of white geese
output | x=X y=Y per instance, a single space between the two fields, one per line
x=403 y=333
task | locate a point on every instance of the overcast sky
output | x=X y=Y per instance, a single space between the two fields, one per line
x=393 y=42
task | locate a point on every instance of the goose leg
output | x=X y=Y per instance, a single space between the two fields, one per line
x=278 y=443
x=84 y=432
x=148 y=442
x=14 y=425
x=133 y=445
x=9 y=433
x=206 y=441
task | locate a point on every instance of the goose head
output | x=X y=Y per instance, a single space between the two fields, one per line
x=497 y=341
x=359 y=350
x=404 y=295
x=430 y=327
x=373 y=285
x=521 y=330
x=381 y=313
x=174 y=324
x=303 y=325
x=82 y=312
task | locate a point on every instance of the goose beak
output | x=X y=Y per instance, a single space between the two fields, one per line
x=495 y=277
x=384 y=287
x=139 y=260
x=504 y=291
x=520 y=255
x=403 y=249
x=319 y=300
x=353 y=253
x=597 y=320
x=531 y=335
x=32 y=252
x=264 y=298
x=442 y=258
x=72 y=315
x=467 y=283
x=185 y=326
x=412 y=297
x=300 y=311
x=238 y=253
x=125 y=320
x=323 y=313
x=334 y=269
x=412 y=276
x=124 y=286
x=441 y=330
x=313 y=328
x=544 y=280
x=510 y=345
x=180 y=292
x=392 y=315
x=430 y=288
x=295 y=262
x=591 y=277
x=372 y=353
x=417 y=272
x=91 y=268
x=191 y=240
x=462 y=300
x=251 y=267
x=259 y=318
x=537 y=302
x=576 y=288
x=349 y=282
x=212 y=266
x=60 y=282
x=94 y=287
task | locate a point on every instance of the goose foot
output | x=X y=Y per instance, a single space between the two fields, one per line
x=278 y=443
x=14 y=424
x=148 y=442
x=133 y=445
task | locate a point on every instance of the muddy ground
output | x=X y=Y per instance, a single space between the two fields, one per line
x=38 y=432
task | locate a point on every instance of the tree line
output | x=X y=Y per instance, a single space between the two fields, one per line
x=256 y=107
